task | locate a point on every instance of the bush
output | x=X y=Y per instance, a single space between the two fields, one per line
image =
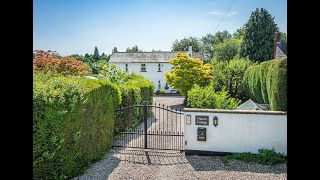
x=49 y=61
x=230 y=74
x=135 y=90
x=276 y=83
x=207 y=98
x=265 y=156
x=263 y=76
x=73 y=121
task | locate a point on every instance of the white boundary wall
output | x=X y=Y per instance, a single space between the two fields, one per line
x=238 y=130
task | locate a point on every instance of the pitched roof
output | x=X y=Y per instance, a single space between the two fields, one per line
x=250 y=105
x=147 y=57
x=281 y=50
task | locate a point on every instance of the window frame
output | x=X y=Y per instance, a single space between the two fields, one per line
x=145 y=67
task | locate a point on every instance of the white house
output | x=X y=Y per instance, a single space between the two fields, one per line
x=152 y=65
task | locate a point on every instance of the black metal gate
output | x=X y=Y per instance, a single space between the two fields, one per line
x=150 y=127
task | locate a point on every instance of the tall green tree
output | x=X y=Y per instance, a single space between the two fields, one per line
x=227 y=49
x=133 y=49
x=184 y=44
x=114 y=50
x=239 y=33
x=208 y=41
x=96 y=55
x=258 y=37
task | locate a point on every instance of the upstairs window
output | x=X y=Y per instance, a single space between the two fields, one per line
x=127 y=67
x=159 y=67
x=143 y=68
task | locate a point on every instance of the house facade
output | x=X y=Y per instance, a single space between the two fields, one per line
x=152 y=65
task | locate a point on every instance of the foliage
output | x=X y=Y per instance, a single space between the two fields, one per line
x=135 y=89
x=239 y=33
x=72 y=124
x=227 y=49
x=208 y=42
x=255 y=84
x=265 y=156
x=133 y=49
x=160 y=91
x=97 y=66
x=186 y=72
x=258 y=38
x=276 y=83
x=208 y=98
x=96 y=54
x=112 y=73
x=271 y=78
x=183 y=44
x=46 y=61
x=114 y=50
x=230 y=74
x=263 y=77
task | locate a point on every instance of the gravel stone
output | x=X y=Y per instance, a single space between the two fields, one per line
x=133 y=163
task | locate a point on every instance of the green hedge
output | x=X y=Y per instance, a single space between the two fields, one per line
x=263 y=77
x=135 y=90
x=73 y=121
x=267 y=83
x=277 y=85
x=255 y=84
x=245 y=84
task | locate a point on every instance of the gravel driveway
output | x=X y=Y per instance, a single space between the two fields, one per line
x=130 y=163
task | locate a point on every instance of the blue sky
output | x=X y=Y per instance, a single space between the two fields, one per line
x=77 y=26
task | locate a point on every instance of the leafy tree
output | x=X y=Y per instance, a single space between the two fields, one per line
x=239 y=33
x=114 y=50
x=49 y=62
x=133 y=49
x=258 y=37
x=229 y=74
x=227 y=49
x=112 y=73
x=96 y=54
x=97 y=66
x=184 y=44
x=208 y=42
x=78 y=57
x=86 y=55
x=186 y=72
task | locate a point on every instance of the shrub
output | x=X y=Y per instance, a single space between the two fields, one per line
x=49 y=61
x=207 y=98
x=112 y=73
x=265 y=156
x=135 y=90
x=277 y=85
x=73 y=121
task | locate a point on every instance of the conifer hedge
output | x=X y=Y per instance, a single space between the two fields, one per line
x=267 y=83
x=73 y=122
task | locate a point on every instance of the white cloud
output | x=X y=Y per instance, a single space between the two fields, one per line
x=219 y=13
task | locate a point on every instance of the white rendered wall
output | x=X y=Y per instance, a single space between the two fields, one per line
x=151 y=72
x=238 y=132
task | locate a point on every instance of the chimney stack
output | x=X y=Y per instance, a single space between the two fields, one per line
x=276 y=39
x=190 y=51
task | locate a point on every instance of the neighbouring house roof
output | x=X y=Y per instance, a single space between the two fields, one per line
x=250 y=105
x=281 y=50
x=147 y=57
